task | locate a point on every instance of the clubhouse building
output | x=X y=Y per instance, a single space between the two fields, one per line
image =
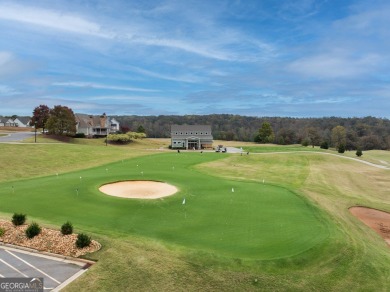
x=191 y=137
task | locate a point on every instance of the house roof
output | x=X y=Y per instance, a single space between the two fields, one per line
x=24 y=120
x=86 y=121
x=203 y=128
x=83 y=120
x=186 y=131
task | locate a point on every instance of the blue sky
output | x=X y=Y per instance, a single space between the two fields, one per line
x=298 y=58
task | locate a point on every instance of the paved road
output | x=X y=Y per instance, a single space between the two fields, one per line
x=56 y=272
x=16 y=136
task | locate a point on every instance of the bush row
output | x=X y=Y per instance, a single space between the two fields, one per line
x=125 y=138
x=34 y=229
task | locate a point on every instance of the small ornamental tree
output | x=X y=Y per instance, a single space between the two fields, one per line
x=341 y=148
x=305 y=142
x=359 y=152
x=33 y=230
x=324 y=145
x=67 y=228
x=18 y=219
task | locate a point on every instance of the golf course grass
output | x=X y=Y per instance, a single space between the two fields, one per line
x=272 y=221
x=233 y=218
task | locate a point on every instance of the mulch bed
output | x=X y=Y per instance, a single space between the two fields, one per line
x=48 y=240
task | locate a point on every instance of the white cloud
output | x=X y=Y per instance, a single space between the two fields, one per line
x=101 y=86
x=50 y=19
x=188 y=78
x=209 y=41
x=335 y=65
x=194 y=47
x=7 y=91
x=11 y=65
x=366 y=20
x=125 y=99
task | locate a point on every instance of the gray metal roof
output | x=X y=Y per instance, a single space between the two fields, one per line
x=185 y=131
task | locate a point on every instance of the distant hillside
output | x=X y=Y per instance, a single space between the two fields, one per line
x=366 y=133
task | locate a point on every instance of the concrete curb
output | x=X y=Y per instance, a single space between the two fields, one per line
x=28 y=250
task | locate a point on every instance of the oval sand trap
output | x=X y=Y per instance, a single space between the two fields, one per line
x=139 y=189
x=377 y=220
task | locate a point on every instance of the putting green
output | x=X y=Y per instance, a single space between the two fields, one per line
x=231 y=218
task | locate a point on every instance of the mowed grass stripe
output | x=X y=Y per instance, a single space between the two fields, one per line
x=256 y=221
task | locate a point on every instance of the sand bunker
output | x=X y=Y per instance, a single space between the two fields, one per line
x=139 y=189
x=377 y=220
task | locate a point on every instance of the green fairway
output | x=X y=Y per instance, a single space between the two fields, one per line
x=256 y=221
x=264 y=148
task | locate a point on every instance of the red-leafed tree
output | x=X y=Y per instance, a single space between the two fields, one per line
x=40 y=116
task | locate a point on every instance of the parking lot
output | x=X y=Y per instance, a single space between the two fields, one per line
x=57 y=272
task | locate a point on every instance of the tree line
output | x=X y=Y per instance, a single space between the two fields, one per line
x=365 y=133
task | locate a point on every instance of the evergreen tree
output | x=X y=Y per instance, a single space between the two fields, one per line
x=266 y=134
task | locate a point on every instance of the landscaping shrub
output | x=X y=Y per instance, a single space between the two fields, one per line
x=359 y=152
x=33 y=230
x=324 y=145
x=83 y=240
x=305 y=142
x=79 y=135
x=125 y=138
x=18 y=219
x=341 y=148
x=2 y=231
x=67 y=228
